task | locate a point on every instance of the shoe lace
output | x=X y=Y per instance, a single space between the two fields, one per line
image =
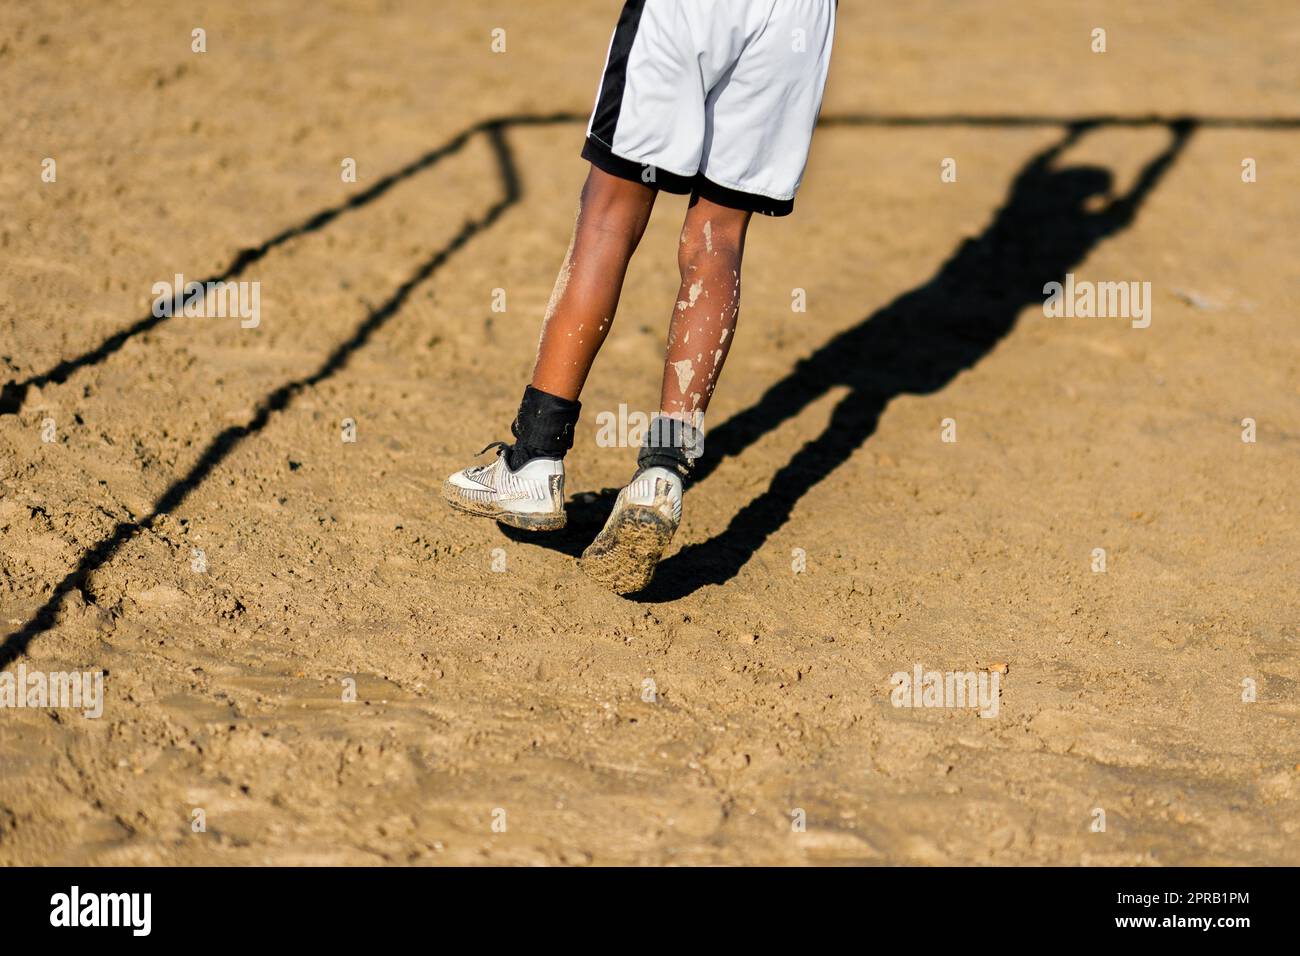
x=503 y=448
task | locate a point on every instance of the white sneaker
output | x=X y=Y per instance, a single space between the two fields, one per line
x=531 y=498
x=645 y=517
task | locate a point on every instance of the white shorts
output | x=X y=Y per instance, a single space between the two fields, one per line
x=714 y=97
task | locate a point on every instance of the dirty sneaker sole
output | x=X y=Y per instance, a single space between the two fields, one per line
x=528 y=522
x=625 y=554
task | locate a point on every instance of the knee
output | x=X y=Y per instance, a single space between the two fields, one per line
x=709 y=245
x=615 y=207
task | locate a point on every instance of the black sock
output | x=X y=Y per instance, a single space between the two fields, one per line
x=670 y=443
x=543 y=427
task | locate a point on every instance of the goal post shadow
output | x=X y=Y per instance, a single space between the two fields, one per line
x=712 y=561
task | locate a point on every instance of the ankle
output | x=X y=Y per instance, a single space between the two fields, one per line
x=671 y=443
x=543 y=427
x=518 y=456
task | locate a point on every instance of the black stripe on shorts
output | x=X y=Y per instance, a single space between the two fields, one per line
x=603 y=158
x=605 y=120
x=706 y=188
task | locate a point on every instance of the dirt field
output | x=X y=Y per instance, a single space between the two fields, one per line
x=192 y=443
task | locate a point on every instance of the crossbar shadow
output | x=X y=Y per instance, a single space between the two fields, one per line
x=12 y=394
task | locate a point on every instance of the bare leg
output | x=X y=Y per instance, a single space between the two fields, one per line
x=708 y=305
x=611 y=220
x=647 y=511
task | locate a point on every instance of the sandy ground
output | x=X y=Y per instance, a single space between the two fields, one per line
x=515 y=695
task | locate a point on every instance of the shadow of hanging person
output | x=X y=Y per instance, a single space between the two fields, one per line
x=917 y=344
